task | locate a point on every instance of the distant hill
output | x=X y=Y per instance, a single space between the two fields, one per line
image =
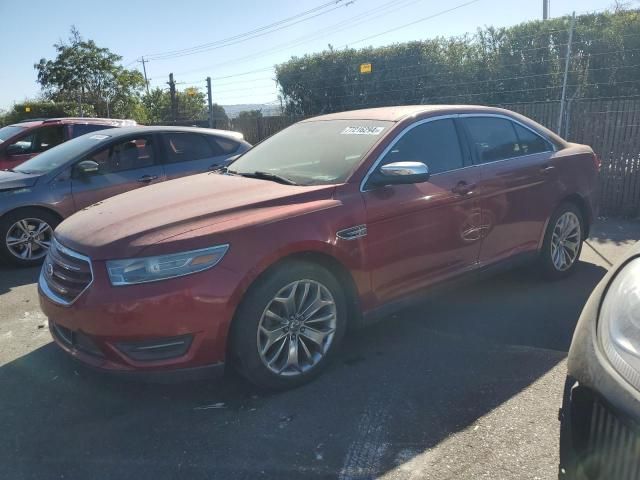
x=269 y=110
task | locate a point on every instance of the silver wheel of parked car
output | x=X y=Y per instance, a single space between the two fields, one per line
x=29 y=239
x=297 y=328
x=565 y=241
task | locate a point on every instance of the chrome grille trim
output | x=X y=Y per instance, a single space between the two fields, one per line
x=51 y=286
x=352 y=233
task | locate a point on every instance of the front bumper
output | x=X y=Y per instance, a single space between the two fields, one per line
x=600 y=415
x=174 y=324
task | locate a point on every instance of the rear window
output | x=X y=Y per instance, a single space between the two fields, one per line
x=8 y=132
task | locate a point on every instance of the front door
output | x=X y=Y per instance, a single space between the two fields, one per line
x=422 y=233
x=124 y=165
x=516 y=190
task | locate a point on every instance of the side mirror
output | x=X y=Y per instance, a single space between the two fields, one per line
x=87 y=167
x=15 y=149
x=400 y=173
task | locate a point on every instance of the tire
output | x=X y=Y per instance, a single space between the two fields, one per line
x=251 y=324
x=31 y=219
x=550 y=262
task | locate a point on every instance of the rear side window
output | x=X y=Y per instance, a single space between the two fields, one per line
x=530 y=142
x=433 y=143
x=492 y=138
x=78 y=130
x=127 y=155
x=185 y=147
x=223 y=146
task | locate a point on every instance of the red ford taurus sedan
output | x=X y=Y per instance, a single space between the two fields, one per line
x=329 y=223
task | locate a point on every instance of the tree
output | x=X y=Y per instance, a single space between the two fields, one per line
x=191 y=106
x=82 y=72
x=249 y=114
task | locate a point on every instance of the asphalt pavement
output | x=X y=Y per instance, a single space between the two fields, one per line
x=465 y=385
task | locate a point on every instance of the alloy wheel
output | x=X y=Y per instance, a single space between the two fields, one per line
x=565 y=241
x=297 y=328
x=29 y=238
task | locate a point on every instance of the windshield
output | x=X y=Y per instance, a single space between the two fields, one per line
x=58 y=156
x=8 y=132
x=313 y=153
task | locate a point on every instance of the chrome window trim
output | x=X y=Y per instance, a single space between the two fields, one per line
x=42 y=282
x=454 y=116
x=407 y=129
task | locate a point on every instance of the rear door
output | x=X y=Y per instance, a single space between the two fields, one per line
x=516 y=191
x=187 y=153
x=124 y=165
x=422 y=233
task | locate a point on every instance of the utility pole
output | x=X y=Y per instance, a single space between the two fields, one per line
x=566 y=72
x=172 y=93
x=144 y=69
x=545 y=9
x=210 y=101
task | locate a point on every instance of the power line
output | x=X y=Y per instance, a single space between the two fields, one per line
x=351 y=22
x=423 y=19
x=250 y=34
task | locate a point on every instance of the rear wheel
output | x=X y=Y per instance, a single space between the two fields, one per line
x=563 y=241
x=26 y=236
x=289 y=326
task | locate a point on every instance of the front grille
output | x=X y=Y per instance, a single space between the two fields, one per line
x=611 y=449
x=65 y=274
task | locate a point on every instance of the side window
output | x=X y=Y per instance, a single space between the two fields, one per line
x=531 y=142
x=128 y=155
x=184 y=147
x=222 y=146
x=80 y=129
x=433 y=143
x=48 y=137
x=23 y=146
x=492 y=138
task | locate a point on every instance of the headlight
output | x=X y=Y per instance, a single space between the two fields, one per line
x=152 y=269
x=619 y=323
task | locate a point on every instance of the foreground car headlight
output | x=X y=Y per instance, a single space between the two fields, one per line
x=619 y=323
x=151 y=269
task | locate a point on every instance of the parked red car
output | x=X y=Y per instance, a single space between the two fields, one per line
x=22 y=141
x=333 y=221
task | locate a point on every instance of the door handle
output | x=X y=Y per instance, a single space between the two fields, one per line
x=463 y=188
x=147 y=178
x=547 y=169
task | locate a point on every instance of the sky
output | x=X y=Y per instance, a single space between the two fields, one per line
x=137 y=28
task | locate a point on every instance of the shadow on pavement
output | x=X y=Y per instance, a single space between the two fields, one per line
x=403 y=385
x=11 y=277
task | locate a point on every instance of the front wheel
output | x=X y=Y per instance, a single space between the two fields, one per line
x=289 y=326
x=563 y=241
x=26 y=236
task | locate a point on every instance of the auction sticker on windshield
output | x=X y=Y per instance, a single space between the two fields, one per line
x=99 y=137
x=362 y=131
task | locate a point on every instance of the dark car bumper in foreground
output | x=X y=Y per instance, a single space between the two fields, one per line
x=600 y=415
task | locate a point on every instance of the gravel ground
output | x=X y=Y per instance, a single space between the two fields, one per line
x=465 y=385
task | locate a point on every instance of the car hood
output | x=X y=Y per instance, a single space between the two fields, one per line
x=11 y=180
x=198 y=209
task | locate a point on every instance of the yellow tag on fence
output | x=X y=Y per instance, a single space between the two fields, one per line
x=365 y=68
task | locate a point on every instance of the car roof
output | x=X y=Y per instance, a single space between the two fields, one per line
x=397 y=113
x=122 y=131
x=36 y=122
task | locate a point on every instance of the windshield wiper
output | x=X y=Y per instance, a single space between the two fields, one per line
x=264 y=176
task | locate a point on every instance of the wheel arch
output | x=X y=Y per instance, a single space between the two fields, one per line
x=579 y=201
x=323 y=259
x=33 y=207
